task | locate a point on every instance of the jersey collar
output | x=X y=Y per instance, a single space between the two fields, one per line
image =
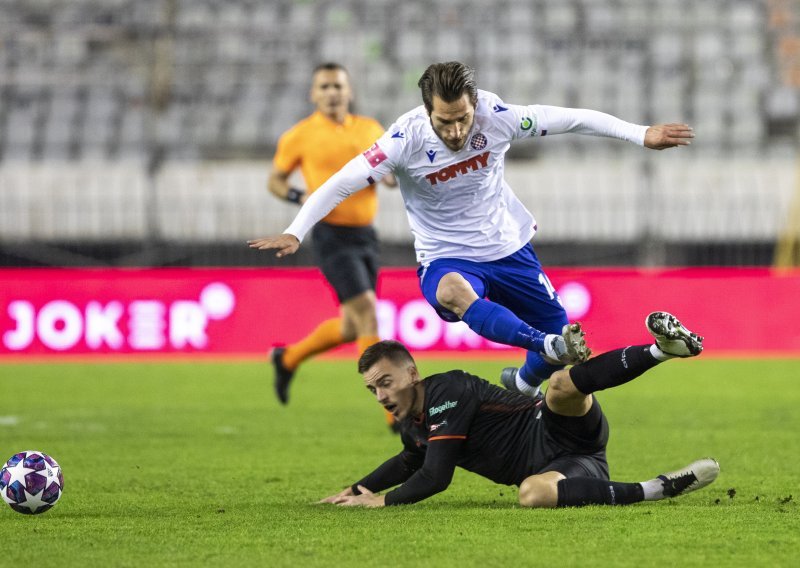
x=319 y=117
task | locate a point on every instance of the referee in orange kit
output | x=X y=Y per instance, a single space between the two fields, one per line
x=345 y=242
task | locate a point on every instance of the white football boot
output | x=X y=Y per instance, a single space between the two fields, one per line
x=694 y=476
x=569 y=348
x=672 y=337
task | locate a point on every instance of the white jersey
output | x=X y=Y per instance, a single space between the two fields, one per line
x=458 y=203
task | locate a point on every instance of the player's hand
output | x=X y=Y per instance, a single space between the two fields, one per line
x=366 y=499
x=662 y=136
x=336 y=499
x=285 y=244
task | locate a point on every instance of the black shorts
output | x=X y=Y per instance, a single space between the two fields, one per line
x=348 y=257
x=577 y=444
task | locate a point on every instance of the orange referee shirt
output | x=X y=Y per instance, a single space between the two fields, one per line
x=321 y=147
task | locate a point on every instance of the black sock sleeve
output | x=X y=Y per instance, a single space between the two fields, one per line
x=580 y=491
x=612 y=369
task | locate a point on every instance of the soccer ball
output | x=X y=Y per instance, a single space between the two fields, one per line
x=31 y=482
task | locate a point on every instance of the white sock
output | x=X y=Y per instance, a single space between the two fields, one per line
x=548 y=347
x=653 y=489
x=549 y=353
x=524 y=387
x=658 y=354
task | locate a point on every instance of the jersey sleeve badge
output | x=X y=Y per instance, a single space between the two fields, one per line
x=529 y=125
x=375 y=156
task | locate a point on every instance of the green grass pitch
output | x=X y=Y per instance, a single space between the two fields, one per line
x=195 y=464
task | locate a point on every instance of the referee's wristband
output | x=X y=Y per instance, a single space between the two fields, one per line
x=294 y=195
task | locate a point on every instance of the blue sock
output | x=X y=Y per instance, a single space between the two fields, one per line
x=536 y=370
x=499 y=324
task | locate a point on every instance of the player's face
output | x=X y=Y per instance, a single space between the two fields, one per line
x=331 y=94
x=394 y=387
x=452 y=121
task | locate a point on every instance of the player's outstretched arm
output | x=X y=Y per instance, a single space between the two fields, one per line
x=663 y=136
x=285 y=244
x=351 y=178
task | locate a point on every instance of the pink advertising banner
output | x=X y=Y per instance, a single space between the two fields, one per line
x=47 y=313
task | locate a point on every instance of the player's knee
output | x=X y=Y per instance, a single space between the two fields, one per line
x=564 y=398
x=539 y=491
x=454 y=293
x=561 y=383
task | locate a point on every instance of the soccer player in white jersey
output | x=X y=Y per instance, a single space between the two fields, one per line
x=472 y=234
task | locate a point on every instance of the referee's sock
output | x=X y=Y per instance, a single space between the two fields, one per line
x=581 y=491
x=499 y=324
x=325 y=336
x=612 y=369
x=364 y=341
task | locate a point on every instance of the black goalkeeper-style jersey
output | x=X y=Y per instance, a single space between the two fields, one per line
x=470 y=423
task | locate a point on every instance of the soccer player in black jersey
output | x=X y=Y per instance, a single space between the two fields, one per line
x=553 y=448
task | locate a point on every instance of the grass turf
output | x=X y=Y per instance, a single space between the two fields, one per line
x=181 y=464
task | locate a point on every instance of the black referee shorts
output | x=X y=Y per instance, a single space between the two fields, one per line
x=348 y=257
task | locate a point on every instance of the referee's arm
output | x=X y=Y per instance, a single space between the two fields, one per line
x=278 y=185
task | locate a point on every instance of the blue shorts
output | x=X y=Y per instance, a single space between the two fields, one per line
x=516 y=282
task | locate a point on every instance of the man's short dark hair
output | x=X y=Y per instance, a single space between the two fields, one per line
x=330 y=66
x=448 y=81
x=394 y=351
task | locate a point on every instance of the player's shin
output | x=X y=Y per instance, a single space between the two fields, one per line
x=581 y=491
x=499 y=324
x=537 y=369
x=612 y=369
